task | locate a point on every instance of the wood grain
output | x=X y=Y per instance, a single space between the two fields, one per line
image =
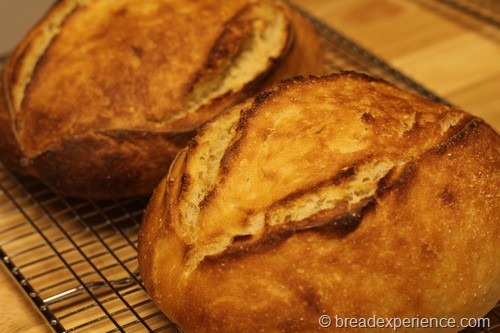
x=18 y=314
x=450 y=53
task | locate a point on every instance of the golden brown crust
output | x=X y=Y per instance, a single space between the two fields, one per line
x=305 y=57
x=101 y=95
x=422 y=240
x=9 y=148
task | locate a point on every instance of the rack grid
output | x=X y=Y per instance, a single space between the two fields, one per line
x=486 y=11
x=77 y=259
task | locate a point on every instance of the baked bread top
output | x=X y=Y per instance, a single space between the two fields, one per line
x=93 y=72
x=300 y=156
x=340 y=195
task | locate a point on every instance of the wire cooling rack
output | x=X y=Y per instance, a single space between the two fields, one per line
x=77 y=259
x=487 y=11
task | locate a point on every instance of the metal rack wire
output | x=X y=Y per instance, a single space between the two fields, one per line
x=53 y=244
x=77 y=259
x=487 y=11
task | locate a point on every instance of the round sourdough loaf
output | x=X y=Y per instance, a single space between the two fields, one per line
x=101 y=94
x=341 y=196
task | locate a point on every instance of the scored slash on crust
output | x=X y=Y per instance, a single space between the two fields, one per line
x=99 y=74
x=223 y=206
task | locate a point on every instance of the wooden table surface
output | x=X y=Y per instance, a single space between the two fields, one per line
x=454 y=55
